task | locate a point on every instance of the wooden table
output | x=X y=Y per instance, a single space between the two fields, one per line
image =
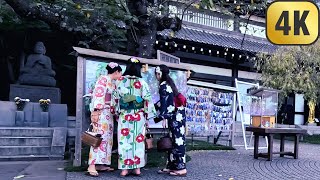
x=270 y=132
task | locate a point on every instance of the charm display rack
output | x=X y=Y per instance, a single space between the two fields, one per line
x=210 y=110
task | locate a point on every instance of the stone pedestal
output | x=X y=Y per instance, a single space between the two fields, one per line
x=312 y=124
x=19 y=118
x=44 y=122
x=35 y=93
x=7 y=113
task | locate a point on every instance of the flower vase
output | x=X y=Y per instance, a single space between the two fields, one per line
x=44 y=119
x=19 y=119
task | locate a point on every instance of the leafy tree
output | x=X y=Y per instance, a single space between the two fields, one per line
x=113 y=25
x=294 y=69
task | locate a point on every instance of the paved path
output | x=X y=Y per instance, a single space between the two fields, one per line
x=34 y=170
x=240 y=165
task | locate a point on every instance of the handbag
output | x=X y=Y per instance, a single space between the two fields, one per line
x=91 y=139
x=165 y=142
x=149 y=140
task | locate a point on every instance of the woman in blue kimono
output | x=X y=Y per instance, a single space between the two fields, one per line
x=174 y=113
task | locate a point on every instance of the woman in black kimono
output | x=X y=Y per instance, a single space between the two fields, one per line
x=174 y=114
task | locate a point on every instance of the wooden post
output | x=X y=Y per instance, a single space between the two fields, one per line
x=192 y=140
x=270 y=147
x=234 y=112
x=281 y=144
x=296 y=146
x=80 y=109
x=256 y=146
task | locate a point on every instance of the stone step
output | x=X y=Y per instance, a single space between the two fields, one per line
x=31 y=158
x=71 y=121
x=25 y=132
x=71 y=118
x=24 y=150
x=25 y=141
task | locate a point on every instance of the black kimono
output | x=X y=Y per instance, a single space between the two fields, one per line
x=177 y=125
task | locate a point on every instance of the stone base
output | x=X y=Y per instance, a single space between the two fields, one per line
x=35 y=93
x=32 y=115
x=312 y=124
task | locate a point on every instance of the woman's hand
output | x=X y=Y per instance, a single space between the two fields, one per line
x=95 y=116
x=164 y=123
x=95 y=127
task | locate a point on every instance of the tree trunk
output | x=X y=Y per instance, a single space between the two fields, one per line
x=148 y=39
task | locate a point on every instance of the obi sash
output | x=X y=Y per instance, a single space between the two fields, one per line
x=131 y=102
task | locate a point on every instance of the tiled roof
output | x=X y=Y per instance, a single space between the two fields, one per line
x=220 y=39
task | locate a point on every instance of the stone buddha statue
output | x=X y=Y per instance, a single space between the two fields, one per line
x=37 y=70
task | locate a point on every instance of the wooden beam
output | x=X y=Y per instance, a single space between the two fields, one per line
x=211 y=85
x=80 y=110
x=121 y=57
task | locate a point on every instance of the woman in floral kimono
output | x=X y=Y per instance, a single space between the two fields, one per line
x=133 y=102
x=102 y=120
x=175 y=117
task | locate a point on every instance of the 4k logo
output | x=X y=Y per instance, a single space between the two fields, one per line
x=292 y=22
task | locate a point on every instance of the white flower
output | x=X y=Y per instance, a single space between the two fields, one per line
x=124 y=90
x=169 y=89
x=181 y=108
x=16 y=98
x=179 y=117
x=28 y=100
x=182 y=130
x=171 y=109
x=179 y=141
x=158 y=70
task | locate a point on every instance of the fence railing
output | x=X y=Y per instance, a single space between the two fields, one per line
x=215 y=20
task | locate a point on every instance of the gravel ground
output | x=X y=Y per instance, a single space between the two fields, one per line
x=239 y=165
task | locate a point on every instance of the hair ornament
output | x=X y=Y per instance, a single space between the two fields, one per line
x=113 y=65
x=134 y=60
x=158 y=70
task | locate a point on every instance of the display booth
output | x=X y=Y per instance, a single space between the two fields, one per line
x=264 y=107
x=210 y=110
x=91 y=64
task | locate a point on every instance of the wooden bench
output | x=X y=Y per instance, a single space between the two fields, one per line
x=270 y=132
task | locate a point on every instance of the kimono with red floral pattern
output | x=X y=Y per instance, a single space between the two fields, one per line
x=131 y=123
x=101 y=99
